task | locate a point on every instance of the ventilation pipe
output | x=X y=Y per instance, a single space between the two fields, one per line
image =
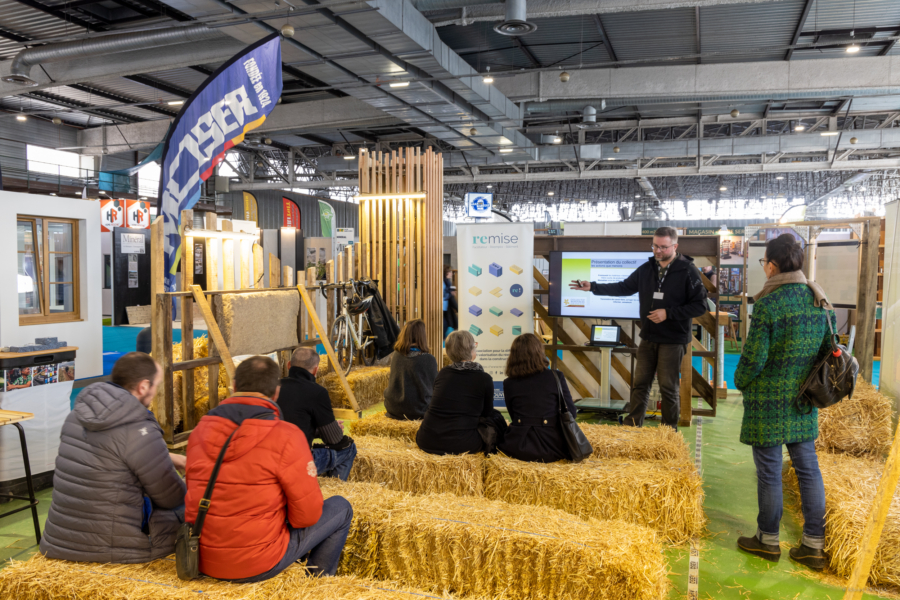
x=516 y=20
x=20 y=69
x=589 y=114
x=647 y=187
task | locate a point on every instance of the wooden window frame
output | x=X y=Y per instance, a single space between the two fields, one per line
x=43 y=255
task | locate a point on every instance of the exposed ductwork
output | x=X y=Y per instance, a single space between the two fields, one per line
x=20 y=68
x=589 y=114
x=647 y=187
x=516 y=22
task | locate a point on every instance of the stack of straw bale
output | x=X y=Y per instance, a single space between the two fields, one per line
x=665 y=495
x=46 y=579
x=383 y=426
x=367 y=383
x=850 y=487
x=471 y=546
x=636 y=443
x=201 y=377
x=400 y=465
x=859 y=427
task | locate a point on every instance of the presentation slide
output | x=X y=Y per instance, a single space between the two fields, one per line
x=596 y=267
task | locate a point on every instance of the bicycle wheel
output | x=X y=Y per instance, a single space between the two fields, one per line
x=342 y=343
x=367 y=352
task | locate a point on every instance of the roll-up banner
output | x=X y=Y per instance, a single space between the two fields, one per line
x=326 y=219
x=251 y=208
x=290 y=212
x=232 y=101
x=494 y=291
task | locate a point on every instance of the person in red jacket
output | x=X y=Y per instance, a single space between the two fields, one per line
x=267 y=509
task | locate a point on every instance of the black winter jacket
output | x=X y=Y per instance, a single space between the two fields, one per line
x=384 y=326
x=111 y=455
x=410 y=385
x=533 y=402
x=684 y=298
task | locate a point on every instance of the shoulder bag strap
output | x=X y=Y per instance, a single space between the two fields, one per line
x=206 y=500
x=562 y=400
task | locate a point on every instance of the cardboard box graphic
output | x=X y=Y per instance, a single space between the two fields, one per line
x=475 y=330
x=515 y=269
x=474 y=291
x=517 y=330
x=496 y=292
x=475 y=270
x=496 y=330
x=495 y=269
x=475 y=310
x=496 y=311
x=516 y=312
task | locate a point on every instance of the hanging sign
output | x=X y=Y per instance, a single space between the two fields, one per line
x=495 y=272
x=291 y=213
x=137 y=214
x=112 y=214
x=326 y=219
x=251 y=208
x=479 y=205
x=232 y=101
x=133 y=243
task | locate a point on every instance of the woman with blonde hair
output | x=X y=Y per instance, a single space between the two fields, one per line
x=461 y=417
x=533 y=400
x=413 y=370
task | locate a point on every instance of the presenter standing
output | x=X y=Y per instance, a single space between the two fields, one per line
x=671 y=295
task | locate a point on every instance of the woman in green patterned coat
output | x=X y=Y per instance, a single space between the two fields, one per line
x=788 y=334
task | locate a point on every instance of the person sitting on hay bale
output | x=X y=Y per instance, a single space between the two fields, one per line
x=532 y=398
x=267 y=510
x=461 y=417
x=413 y=370
x=307 y=405
x=788 y=336
x=117 y=497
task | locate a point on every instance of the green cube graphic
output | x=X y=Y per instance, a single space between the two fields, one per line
x=517 y=330
x=496 y=311
x=475 y=330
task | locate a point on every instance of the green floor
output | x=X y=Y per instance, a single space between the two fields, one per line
x=725 y=573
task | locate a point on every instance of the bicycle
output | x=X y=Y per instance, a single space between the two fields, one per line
x=348 y=337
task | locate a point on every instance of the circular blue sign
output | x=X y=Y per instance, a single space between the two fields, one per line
x=516 y=290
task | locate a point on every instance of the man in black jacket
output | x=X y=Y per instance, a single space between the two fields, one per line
x=307 y=405
x=671 y=295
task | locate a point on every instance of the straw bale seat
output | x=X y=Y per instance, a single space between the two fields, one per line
x=636 y=443
x=664 y=495
x=401 y=466
x=367 y=383
x=383 y=426
x=850 y=486
x=860 y=427
x=45 y=579
x=476 y=547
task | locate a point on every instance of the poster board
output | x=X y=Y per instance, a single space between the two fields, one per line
x=756 y=276
x=130 y=271
x=837 y=271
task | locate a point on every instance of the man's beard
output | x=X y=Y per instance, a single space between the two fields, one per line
x=146 y=399
x=665 y=258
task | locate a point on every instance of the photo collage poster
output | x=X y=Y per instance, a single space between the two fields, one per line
x=20 y=378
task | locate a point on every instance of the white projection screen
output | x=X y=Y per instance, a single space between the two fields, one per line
x=837 y=271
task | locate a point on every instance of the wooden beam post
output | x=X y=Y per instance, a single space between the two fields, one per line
x=212 y=254
x=311 y=311
x=215 y=336
x=686 y=389
x=157 y=286
x=274 y=271
x=187 y=324
x=228 y=282
x=864 y=347
x=259 y=267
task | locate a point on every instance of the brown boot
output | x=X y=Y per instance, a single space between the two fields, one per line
x=814 y=558
x=757 y=548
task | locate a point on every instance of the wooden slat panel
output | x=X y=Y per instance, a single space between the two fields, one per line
x=685 y=418
x=259 y=272
x=187 y=325
x=274 y=271
x=165 y=414
x=157 y=286
x=215 y=336
x=227 y=258
x=287 y=276
x=246 y=261
x=212 y=254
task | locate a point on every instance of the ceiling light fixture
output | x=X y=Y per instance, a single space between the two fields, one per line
x=550 y=193
x=487 y=77
x=399 y=84
x=722 y=188
x=505 y=150
x=830 y=133
x=21 y=117
x=557 y=139
x=853 y=48
x=175 y=102
x=780 y=177
x=349 y=157
x=489 y=186
x=799 y=127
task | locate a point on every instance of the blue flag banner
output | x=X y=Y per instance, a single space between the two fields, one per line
x=235 y=99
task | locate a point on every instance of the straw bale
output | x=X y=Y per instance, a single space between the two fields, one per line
x=45 y=579
x=368 y=385
x=259 y=322
x=400 y=465
x=665 y=495
x=444 y=543
x=201 y=377
x=636 y=443
x=860 y=426
x=850 y=487
x=381 y=425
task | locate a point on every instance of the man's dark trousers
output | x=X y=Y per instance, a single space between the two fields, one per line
x=663 y=360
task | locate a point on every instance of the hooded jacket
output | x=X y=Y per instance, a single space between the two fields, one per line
x=111 y=455
x=267 y=481
x=384 y=326
x=684 y=298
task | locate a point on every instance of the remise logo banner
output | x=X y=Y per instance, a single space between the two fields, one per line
x=235 y=99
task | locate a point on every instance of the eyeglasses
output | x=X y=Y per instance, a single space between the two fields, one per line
x=763 y=262
x=654 y=247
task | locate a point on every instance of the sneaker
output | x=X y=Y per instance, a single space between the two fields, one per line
x=813 y=558
x=757 y=548
x=621 y=419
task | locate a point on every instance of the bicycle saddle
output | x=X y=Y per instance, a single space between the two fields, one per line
x=357 y=307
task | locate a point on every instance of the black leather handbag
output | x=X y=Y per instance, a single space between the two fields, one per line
x=578 y=445
x=187 y=541
x=832 y=379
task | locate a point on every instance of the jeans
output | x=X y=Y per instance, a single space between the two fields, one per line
x=323 y=542
x=334 y=463
x=664 y=361
x=812 y=492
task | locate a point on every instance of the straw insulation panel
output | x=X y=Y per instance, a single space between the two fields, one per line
x=259 y=322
